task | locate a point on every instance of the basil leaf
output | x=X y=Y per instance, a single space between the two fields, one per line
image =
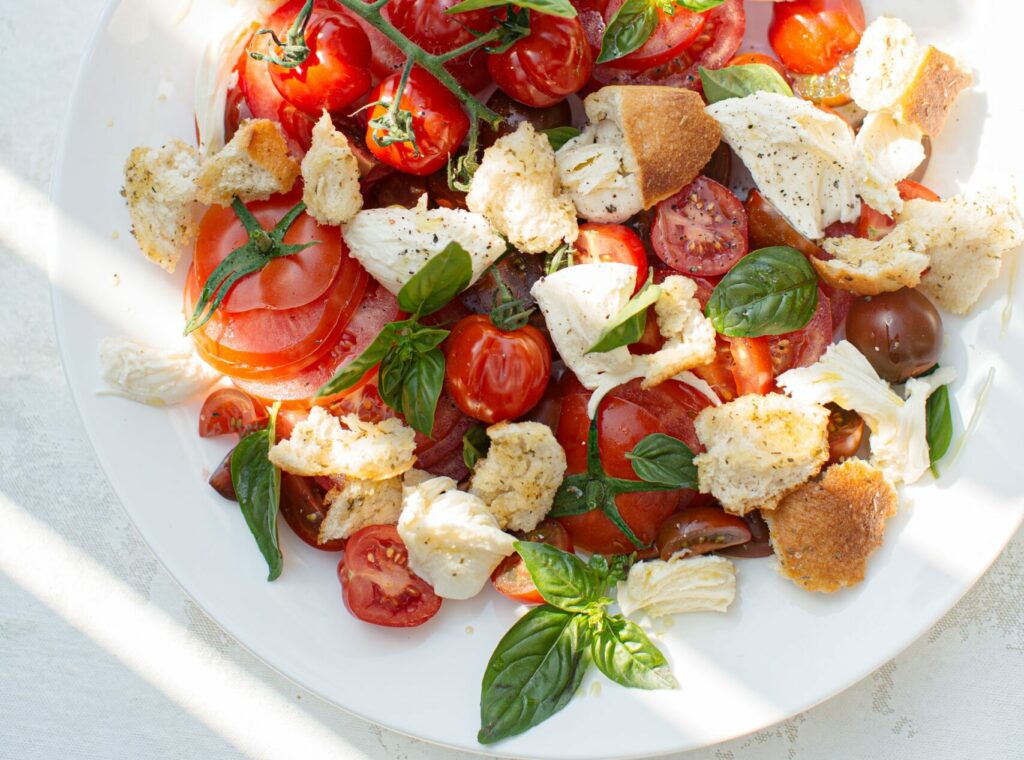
x=423 y=339
x=938 y=425
x=391 y=376
x=631 y=26
x=629 y=324
x=740 y=81
x=699 y=6
x=421 y=388
x=772 y=291
x=660 y=458
x=559 y=136
x=257 y=484
x=570 y=498
x=475 y=444
x=439 y=280
x=534 y=672
x=622 y=651
x=561 y=8
x=352 y=372
x=563 y=579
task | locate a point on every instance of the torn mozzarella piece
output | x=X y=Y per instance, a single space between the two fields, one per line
x=593 y=169
x=887 y=152
x=153 y=376
x=681 y=584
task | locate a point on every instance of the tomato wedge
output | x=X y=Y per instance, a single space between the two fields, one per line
x=229 y=411
x=805 y=346
x=751 y=365
x=512 y=578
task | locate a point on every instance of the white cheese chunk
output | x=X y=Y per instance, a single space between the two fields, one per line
x=681 y=584
x=887 y=152
x=593 y=169
x=887 y=59
x=154 y=376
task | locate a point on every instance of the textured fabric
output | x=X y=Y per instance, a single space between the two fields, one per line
x=79 y=590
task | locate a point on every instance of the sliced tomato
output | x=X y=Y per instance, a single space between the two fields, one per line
x=719 y=374
x=768 y=227
x=805 y=346
x=229 y=411
x=611 y=243
x=751 y=365
x=915 y=191
x=874 y=225
x=701 y=230
x=377 y=585
x=512 y=578
x=673 y=34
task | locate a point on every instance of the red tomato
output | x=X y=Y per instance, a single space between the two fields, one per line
x=611 y=243
x=512 y=578
x=719 y=374
x=438 y=123
x=805 y=346
x=811 y=36
x=429 y=25
x=495 y=375
x=874 y=225
x=377 y=585
x=699 y=530
x=914 y=191
x=231 y=411
x=746 y=59
x=337 y=71
x=286 y=282
x=701 y=230
x=303 y=509
x=441 y=453
x=845 y=432
x=751 y=365
x=554 y=61
x=265 y=102
x=768 y=227
x=670 y=38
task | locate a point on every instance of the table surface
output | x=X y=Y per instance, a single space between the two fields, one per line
x=103 y=656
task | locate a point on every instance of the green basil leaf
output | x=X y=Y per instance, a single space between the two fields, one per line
x=423 y=339
x=740 y=81
x=563 y=579
x=938 y=425
x=629 y=324
x=391 y=376
x=660 y=458
x=534 y=672
x=257 y=484
x=421 y=388
x=439 y=280
x=631 y=26
x=475 y=444
x=561 y=8
x=559 y=136
x=699 y=6
x=352 y=372
x=622 y=651
x=570 y=498
x=772 y=291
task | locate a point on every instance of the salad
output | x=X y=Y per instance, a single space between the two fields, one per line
x=573 y=299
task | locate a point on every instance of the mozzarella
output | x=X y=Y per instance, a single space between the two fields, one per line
x=887 y=152
x=681 y=584
x=592 y=168
x=454 y=542
x=394 y=243
x=215 y=76
x=885 y=64
x=149 y=375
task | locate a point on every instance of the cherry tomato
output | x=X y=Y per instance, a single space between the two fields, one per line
x=805 y=346
x=701 y=230
x=519 y=272
x=220 y=480
x=719 y=166
x=828 y=90
x=747 y=59
x=513 y=113
x=429 y=25
x=759 y=545
x=811 y=36
x=874 y=225
x=554 y=61
x=441 y=452
x=512 y=578
x=231 y=411
x=751 y=365
x=768 y=227
x=335 y=74
x=900 y=333
x=303 y=509
x=700 y=530
x=672 y=35
x=616 y=243
x=377 y=585
x=719 y=374
x=286 y=282
x=845 y=433
x=438 y=122
x=495 y=375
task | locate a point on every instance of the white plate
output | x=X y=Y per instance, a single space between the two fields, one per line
x=777 y=652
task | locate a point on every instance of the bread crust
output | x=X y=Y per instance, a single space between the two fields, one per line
x=253 y=166
x=938 y=83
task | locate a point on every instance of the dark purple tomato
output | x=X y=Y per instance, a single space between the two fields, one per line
x=900 y=333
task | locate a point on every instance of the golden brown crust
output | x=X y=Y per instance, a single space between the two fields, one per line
x=268 y=148
x=824 y=532
x=253 y=166
x=930 y=98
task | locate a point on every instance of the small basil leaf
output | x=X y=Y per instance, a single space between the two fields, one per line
x=699 y=6
x=563 y=579
x=631 y=26
x=438 y=281
x=559 y=136
x=622 y=651
x=561 y=8
x=939 y=425
x=475 y=444
x=772 y=291
x=534 y=672
x=740 y=81
x=421 y=389
x=629 y=324
x=423 y=339
x=391 y=376
x=351 y=373
x=660 y=458
x=257 y=484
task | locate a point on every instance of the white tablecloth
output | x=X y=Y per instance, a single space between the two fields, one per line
x=88 y=618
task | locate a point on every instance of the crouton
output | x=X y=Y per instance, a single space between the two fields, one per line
x=355 y=504
x=253 y=166
x=518 y=478
x=159 y=186
x=689 y=335
x=517 y=189
x=758 y=449
x=330 y=175
x=869 y=267
x=824 y=532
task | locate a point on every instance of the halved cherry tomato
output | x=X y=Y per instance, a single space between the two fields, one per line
x=438 y=122
x=611 y=243
x=441 y=452
x=759 y=545
x=429 y=25
x=874 y=225
x=811 y=36
x=803 y=347
x=231 y=411
x=673 y=34
x=512 y=578
x=700 y=530
x=377 y=585
x=554 y=61
x=751 y=365
x=768 y=227
x=494 y=375
x=286 y=282
x=303 y=509
x=845 y=433
x=719 y=374
x=701 y=230
x=747 y=59
x=220 y=480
